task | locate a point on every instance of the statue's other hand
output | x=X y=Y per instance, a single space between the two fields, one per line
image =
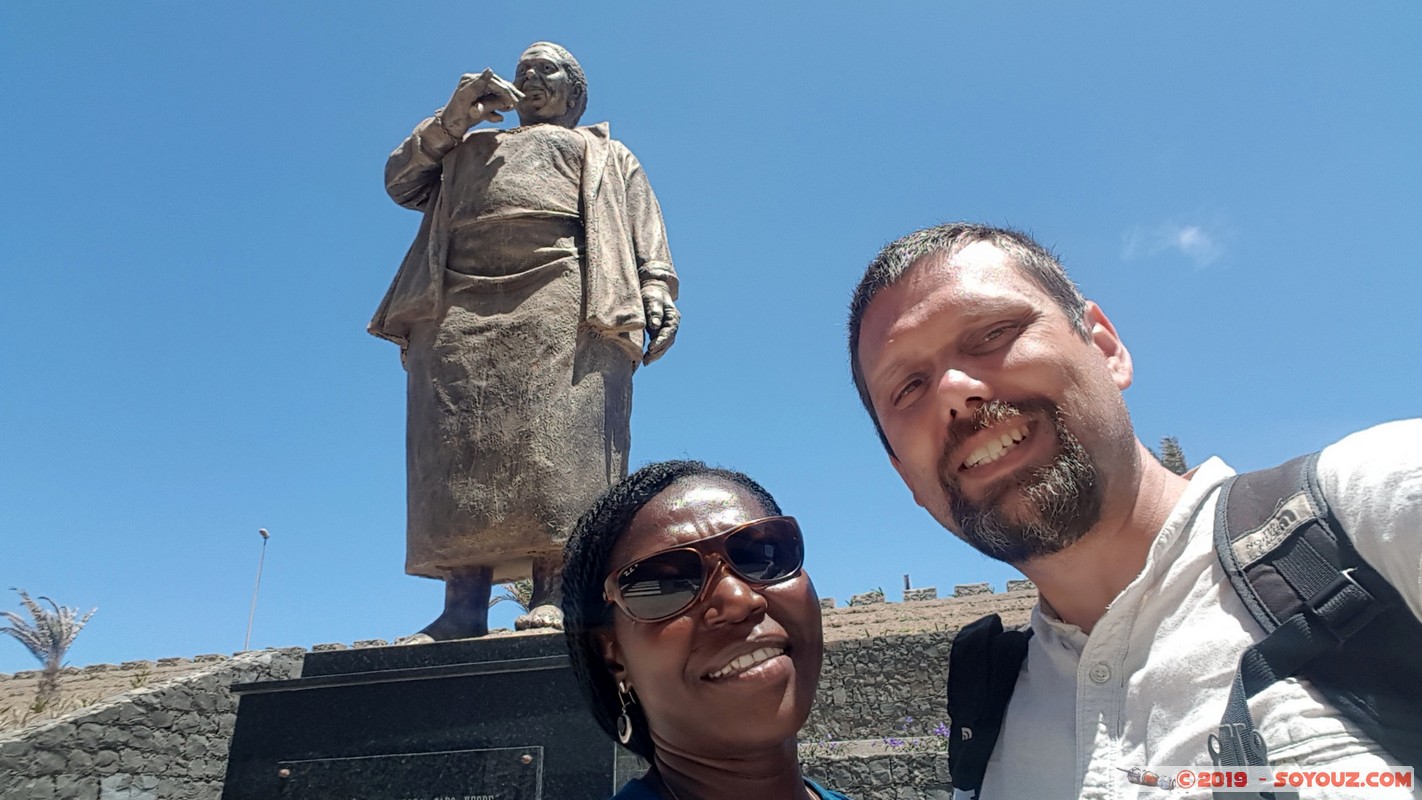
x=477 y=98
x=662 y=321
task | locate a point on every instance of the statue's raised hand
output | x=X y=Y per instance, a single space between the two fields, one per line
x=662 y=320
x=477 y=98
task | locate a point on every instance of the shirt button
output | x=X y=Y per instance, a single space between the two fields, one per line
x=1099 y=673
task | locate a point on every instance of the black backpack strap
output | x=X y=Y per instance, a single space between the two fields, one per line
x=982 y=672
x=1328 y=616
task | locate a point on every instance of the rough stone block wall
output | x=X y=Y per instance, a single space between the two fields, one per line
x=167 y=741
x=867 y=598
x=869 y=686
x=163 y=731
x=874 y=731
x=882 y=776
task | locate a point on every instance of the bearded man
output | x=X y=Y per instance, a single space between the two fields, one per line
x=996 y=389
x=520 y=311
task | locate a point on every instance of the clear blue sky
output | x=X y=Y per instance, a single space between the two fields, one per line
x=193 y=235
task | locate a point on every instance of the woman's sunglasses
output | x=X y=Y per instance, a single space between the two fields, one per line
x=666 y=583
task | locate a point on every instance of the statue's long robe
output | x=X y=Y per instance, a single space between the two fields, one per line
x=520 y=330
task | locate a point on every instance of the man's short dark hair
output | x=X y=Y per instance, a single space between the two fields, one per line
x=585 y=567
x=1034 y=260
x=578 y=98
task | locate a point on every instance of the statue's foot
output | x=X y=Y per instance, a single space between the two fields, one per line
x=541 y=617
x=415 y=638
x=452 y=626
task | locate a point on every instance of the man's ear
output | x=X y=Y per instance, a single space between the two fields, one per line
x=1104 y=338
x=611 y=655
x=899 y=468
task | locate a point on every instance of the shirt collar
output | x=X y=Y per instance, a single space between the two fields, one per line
x=1204 y=479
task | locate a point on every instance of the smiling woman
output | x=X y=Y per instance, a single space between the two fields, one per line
x=695 y=632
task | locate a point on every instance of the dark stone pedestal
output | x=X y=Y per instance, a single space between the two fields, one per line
x=480 y=719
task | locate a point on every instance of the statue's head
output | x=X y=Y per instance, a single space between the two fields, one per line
x=553 y=85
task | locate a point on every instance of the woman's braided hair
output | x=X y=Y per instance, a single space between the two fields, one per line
x=585 y=567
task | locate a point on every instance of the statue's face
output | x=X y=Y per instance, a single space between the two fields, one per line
x=547 y=91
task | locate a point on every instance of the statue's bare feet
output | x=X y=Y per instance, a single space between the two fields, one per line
x=453 y=626
x=466 y=607
x=415 y=638
x=545 y=611
x=545 y=616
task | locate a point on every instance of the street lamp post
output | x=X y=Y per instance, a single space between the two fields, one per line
x=253 y=613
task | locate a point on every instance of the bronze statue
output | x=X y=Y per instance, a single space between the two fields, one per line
x=520 y=311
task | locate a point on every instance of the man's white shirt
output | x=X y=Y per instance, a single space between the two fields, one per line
x=1149 y=685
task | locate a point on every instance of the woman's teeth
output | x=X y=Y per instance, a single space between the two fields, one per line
x=996 y=448
x=747 y=661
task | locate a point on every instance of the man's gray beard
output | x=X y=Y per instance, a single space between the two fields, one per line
x=1062 y=501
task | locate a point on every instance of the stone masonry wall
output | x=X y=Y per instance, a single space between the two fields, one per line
x=883 y=775
x=167 y=741
x=161 y=730
x=871 y=734
x=878 y=728
x=870 y=686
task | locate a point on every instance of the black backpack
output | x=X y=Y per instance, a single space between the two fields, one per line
x=1328 y=617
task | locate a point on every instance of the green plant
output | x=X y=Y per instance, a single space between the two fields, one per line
x=47 y=635
x=819 y=748
x=1171 y=455
x=40 y=708
x=912 y=739
x=519 y=592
